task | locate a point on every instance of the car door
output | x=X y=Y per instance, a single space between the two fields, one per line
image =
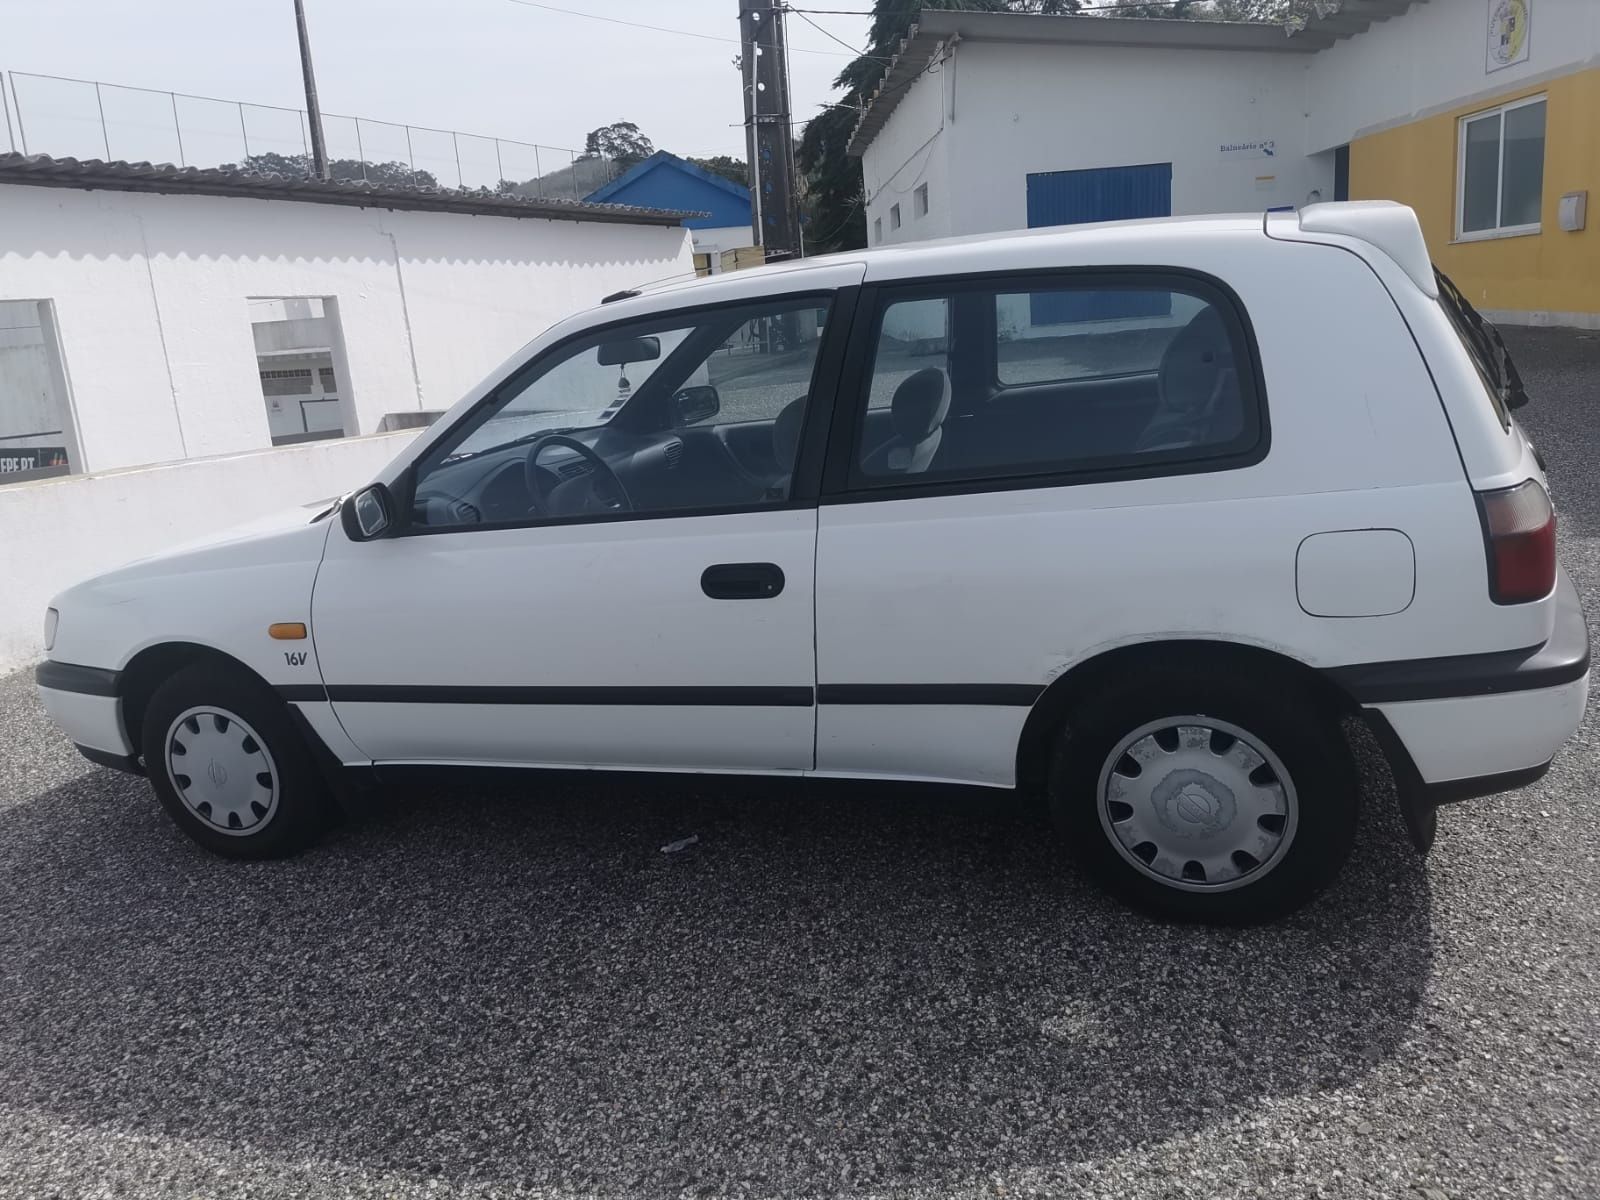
x=635 y=590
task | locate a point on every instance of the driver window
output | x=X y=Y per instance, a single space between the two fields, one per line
x=702 y=412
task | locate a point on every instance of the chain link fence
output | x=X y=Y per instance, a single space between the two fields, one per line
x=87 y=119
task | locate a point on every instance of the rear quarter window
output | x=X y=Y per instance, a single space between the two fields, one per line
x=1075 y=375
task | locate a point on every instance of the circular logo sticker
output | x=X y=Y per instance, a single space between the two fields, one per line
x=1508 y=31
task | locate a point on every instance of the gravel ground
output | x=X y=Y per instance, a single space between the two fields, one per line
x=842 y=990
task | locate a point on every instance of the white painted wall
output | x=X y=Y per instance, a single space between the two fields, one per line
x=151 y=293
x=1023 y=108
x=910 y=150
x=60 y=531
x=1433 y=58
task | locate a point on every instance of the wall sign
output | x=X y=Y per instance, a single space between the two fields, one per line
x=32 y=458
x=1508 y=33
x=1258 y=148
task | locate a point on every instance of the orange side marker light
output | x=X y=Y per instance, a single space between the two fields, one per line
x=287 y=631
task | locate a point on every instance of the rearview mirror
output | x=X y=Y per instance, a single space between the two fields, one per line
x=367 y=514
x=693 y=404
x=629 y=350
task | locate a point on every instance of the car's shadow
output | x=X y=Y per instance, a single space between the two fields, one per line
x=833 y=989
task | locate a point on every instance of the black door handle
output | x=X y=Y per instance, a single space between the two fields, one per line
x=742 y=581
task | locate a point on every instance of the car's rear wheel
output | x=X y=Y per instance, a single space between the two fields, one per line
x=1204 y=797
x=229 y=767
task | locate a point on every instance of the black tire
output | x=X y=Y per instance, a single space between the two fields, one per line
x=299 y=805
x=1276 y=714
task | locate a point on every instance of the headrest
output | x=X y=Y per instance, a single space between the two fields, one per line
x=786 y=433
x=919 y=404
x=1193 y=361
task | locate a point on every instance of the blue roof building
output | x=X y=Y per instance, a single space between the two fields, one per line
x=668 y=182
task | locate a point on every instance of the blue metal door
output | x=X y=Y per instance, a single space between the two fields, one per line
x=1098 y=194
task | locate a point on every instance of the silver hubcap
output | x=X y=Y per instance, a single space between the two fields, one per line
x=222 y=770
x=1197 y=804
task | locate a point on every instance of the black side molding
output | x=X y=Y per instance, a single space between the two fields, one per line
x=301 y=691
x=734 y=696
x=68 y=677
x=1561 y=660
x=117 y=762
x=1007 y=695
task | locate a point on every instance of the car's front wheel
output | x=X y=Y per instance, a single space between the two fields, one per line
x=229 y=767
x=1204 y=796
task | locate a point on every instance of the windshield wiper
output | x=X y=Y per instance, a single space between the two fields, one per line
x=1514 y=394
x=1491 y=346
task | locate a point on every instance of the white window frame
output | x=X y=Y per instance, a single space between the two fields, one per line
x=894 y=217
x=919 y=201
x=1499 y=231
x=877 y=230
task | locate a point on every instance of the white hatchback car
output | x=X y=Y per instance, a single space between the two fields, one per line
x=1130 y=514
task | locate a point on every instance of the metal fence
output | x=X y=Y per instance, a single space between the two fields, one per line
x=85 y=118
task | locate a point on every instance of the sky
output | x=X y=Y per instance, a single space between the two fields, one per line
x=504 y=68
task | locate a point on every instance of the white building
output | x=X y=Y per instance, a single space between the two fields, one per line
x=1483 y=115
x=168 y=338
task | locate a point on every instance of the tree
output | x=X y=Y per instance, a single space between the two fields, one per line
x=341 y=169
x=730 y=168
x=1268 y=11
x=621 y=142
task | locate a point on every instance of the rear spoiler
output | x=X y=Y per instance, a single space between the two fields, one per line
x=1382 y=224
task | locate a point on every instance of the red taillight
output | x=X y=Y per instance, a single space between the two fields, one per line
x=1521 y=530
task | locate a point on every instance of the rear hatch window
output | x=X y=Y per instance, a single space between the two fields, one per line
x=1487 y=349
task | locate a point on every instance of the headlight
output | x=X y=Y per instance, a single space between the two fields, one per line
x=51 y=619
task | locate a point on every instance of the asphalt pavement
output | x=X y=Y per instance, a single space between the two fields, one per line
x=838 y=990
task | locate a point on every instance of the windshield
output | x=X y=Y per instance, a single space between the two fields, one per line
x=577 y=392
x=1487 y=349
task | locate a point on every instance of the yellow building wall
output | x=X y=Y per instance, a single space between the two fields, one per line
x=1549 y=271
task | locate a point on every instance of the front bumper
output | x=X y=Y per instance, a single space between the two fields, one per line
x=84 y=703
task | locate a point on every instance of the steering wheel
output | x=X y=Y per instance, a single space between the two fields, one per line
x=619 y=501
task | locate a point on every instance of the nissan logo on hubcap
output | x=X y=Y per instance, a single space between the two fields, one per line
x=1196 y=805
x=217 y=773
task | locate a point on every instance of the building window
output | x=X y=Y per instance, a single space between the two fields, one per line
x=36 y=431
x=894 y=216
x=299 y=356
x=877 y=230
x=1500 y=181
x=919 y=201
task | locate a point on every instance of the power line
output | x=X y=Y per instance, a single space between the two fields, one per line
x=858 y=53
x=839 y=228
x=704 y=37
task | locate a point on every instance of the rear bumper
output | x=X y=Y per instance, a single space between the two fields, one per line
x=1472 y=725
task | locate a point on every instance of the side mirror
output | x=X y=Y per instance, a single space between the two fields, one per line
x=693 y=404
x=367 y=514
x=629 y=350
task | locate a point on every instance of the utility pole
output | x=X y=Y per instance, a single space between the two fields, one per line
x=769 y=138
x=319 y=152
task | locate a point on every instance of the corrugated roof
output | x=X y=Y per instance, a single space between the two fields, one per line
x=937 y=28
x=40 y=170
